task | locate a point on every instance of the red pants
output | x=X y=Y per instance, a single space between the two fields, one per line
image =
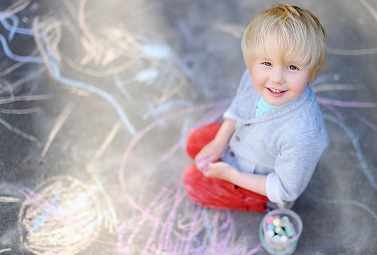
x=212 y=192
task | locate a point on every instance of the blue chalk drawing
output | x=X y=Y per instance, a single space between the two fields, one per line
x=147 y=76
x=57 y=75
x=15 y=25
x=108 y=97
x=20 y=132
x=18 y=58
x=80 y=202
x=356 y=146
x=363 y=164
x=156 y=51
x=47 y=212
x=13 y=29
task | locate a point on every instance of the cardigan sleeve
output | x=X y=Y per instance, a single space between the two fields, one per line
x=294 y=166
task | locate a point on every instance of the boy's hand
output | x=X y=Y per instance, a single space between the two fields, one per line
x=223 y=171
x=220 y=170
x=213 y=150
x=209 y=154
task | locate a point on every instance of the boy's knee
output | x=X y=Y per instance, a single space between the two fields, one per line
x=192 y=142
x=188 y=172
x=198 y=138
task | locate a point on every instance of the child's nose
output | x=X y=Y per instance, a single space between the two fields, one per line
x=277 y=76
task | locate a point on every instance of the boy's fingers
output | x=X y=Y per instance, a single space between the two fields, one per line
x=202 y=163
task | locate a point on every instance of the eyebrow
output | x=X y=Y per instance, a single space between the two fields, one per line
x=262 y=58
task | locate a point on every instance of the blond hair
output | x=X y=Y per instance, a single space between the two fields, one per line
x=297 y=32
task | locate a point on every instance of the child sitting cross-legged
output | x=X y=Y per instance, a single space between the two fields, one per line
x=273 y=133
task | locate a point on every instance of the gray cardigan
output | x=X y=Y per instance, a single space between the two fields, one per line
x=285 y=144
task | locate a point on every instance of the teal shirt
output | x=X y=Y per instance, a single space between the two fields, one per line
x=263 y=107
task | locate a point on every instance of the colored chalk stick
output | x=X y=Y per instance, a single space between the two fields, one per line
x=284 y=221
x=279 y=231
x=284 y=239
x=276 y=238
x=270 y=226
x=270 y=233
x=269 y=220
x=276 y=222
x=203 y=164
x=288 y=226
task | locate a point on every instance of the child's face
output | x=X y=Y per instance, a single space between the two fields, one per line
x=276 y=82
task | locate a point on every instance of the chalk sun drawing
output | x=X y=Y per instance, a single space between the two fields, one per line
x=61 y=216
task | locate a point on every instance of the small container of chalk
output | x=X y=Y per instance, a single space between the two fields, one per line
x=279 y=231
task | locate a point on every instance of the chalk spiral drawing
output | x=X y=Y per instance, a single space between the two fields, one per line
x=64 y=215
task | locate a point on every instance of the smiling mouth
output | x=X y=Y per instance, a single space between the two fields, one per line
x=276 y=91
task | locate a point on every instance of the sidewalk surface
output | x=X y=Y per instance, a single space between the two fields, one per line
x=98 y=97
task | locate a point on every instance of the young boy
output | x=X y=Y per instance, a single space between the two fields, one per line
x=273 y=133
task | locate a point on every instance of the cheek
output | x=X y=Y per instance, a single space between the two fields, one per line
x=300 y=87
x=258 y=85
x=258 y=80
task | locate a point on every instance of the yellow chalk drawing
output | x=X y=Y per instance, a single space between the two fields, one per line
x=61 y=216
x=7 y=199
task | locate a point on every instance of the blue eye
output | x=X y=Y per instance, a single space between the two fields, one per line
x=292 y=67
x=267 y=63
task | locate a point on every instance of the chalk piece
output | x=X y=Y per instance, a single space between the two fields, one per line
x=269 y=220
x=284 y=239
x=276 y=222
x=203 y=164
x=270 y=226
x=284 y=221
x=288 y=228
x=270 y=233
x=276 y=238
x=279 y=231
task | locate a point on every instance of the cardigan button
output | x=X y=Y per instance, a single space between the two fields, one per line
x=238 y=138
x=232 y=154
x=248 y=124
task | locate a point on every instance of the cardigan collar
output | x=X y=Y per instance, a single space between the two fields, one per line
x=278 y=111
